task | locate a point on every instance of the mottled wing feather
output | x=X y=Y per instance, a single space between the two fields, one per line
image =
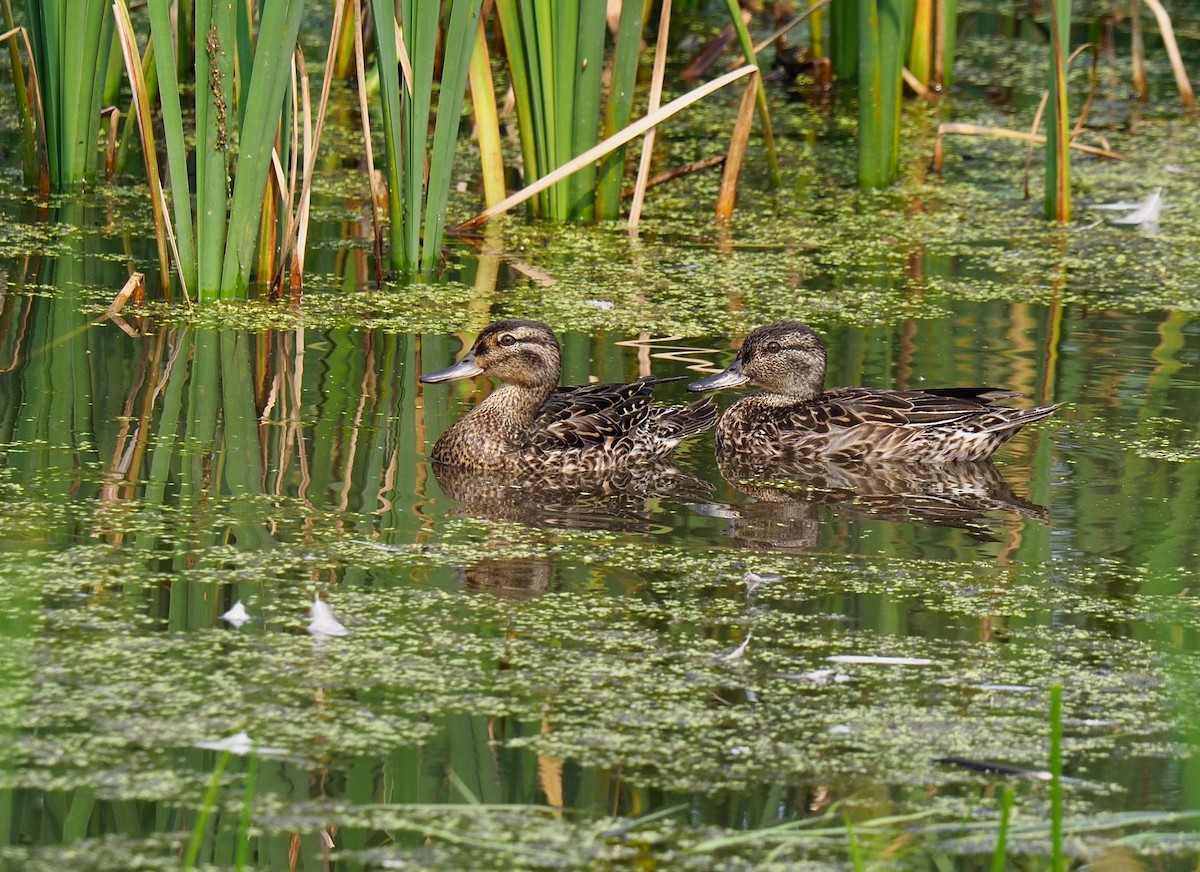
x=589 y=416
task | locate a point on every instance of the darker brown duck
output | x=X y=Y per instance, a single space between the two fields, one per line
x=794 y=417
x=528 y=424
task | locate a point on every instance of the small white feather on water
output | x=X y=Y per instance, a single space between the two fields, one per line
x=236 y=615
x=323 y=623
x=876 y=660
x=739 y=651
x=1142 y=213
x=240 y=744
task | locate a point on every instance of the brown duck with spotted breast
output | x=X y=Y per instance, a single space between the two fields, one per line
x=794 y=417
x=527 y=424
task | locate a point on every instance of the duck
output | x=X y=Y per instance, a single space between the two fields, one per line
x=528 y=424
x=795 y=418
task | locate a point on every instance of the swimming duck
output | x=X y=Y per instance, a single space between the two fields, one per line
x=529 y=424
x=795 y=417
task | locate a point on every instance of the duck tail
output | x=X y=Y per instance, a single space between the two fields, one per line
x=676 y=423
x=1014 y=419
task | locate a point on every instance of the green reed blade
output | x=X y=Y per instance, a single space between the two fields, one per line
x=214 y=103
x=419 y=24
x=242 y=858
x=920 y=49
x=565 y=40
x=268 y=84
x=206 y=807
x=1058 y=858
x=458 y=46
x=176 y=142
x=883 y=28
x=509 y=17
x=539 y=106
x=844 y=36
x=999 y=855
x=585 y=113
x=383 y=17
x=620 y=106
x=1058 y=136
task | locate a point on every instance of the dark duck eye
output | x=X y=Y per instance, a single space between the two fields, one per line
x=774 y=348
x=508 y=340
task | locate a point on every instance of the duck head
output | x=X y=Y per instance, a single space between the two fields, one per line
x=785 y=358
x=518 y=352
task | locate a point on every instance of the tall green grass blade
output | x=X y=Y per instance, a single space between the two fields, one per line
x=206 y=806
x=1058 y=134
x=920 y=50
x=585 y=115
x=214 y=103
x=871 y=137
x=458 y=46
x=1057 y=857
x=856 y=859
x=268 y=85
x=565 y=35
x=620 y=106
x=176 y=143
x=884 y=29
x=545 y=13
x=518 y=71
x=816 y=30
x=71 y=42
x=383 y=17
x=539 y=102
x=1000 y=853
x=844 y=37
x=419 y=26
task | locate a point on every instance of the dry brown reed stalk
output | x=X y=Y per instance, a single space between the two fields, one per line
x=918 y=87
x=39 y=112
x=655 y=100
x=1005 y=133
x=141 y=101
x=373 y=181
x=727 y=196
x=1168 y=37
x=1137 y=51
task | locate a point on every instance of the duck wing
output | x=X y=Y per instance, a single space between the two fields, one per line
x=591 y=415
x=853 y=407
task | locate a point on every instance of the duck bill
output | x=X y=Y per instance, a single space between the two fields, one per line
x=465 y=368
x=730 y=378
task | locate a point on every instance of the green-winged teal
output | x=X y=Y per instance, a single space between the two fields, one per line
x=527 y=424
x=795 y=417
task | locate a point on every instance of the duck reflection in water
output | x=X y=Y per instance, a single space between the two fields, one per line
x=516 y=577
x=615 y=499
x=786 y=507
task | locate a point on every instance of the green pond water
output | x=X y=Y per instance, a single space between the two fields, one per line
x=685 y=673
